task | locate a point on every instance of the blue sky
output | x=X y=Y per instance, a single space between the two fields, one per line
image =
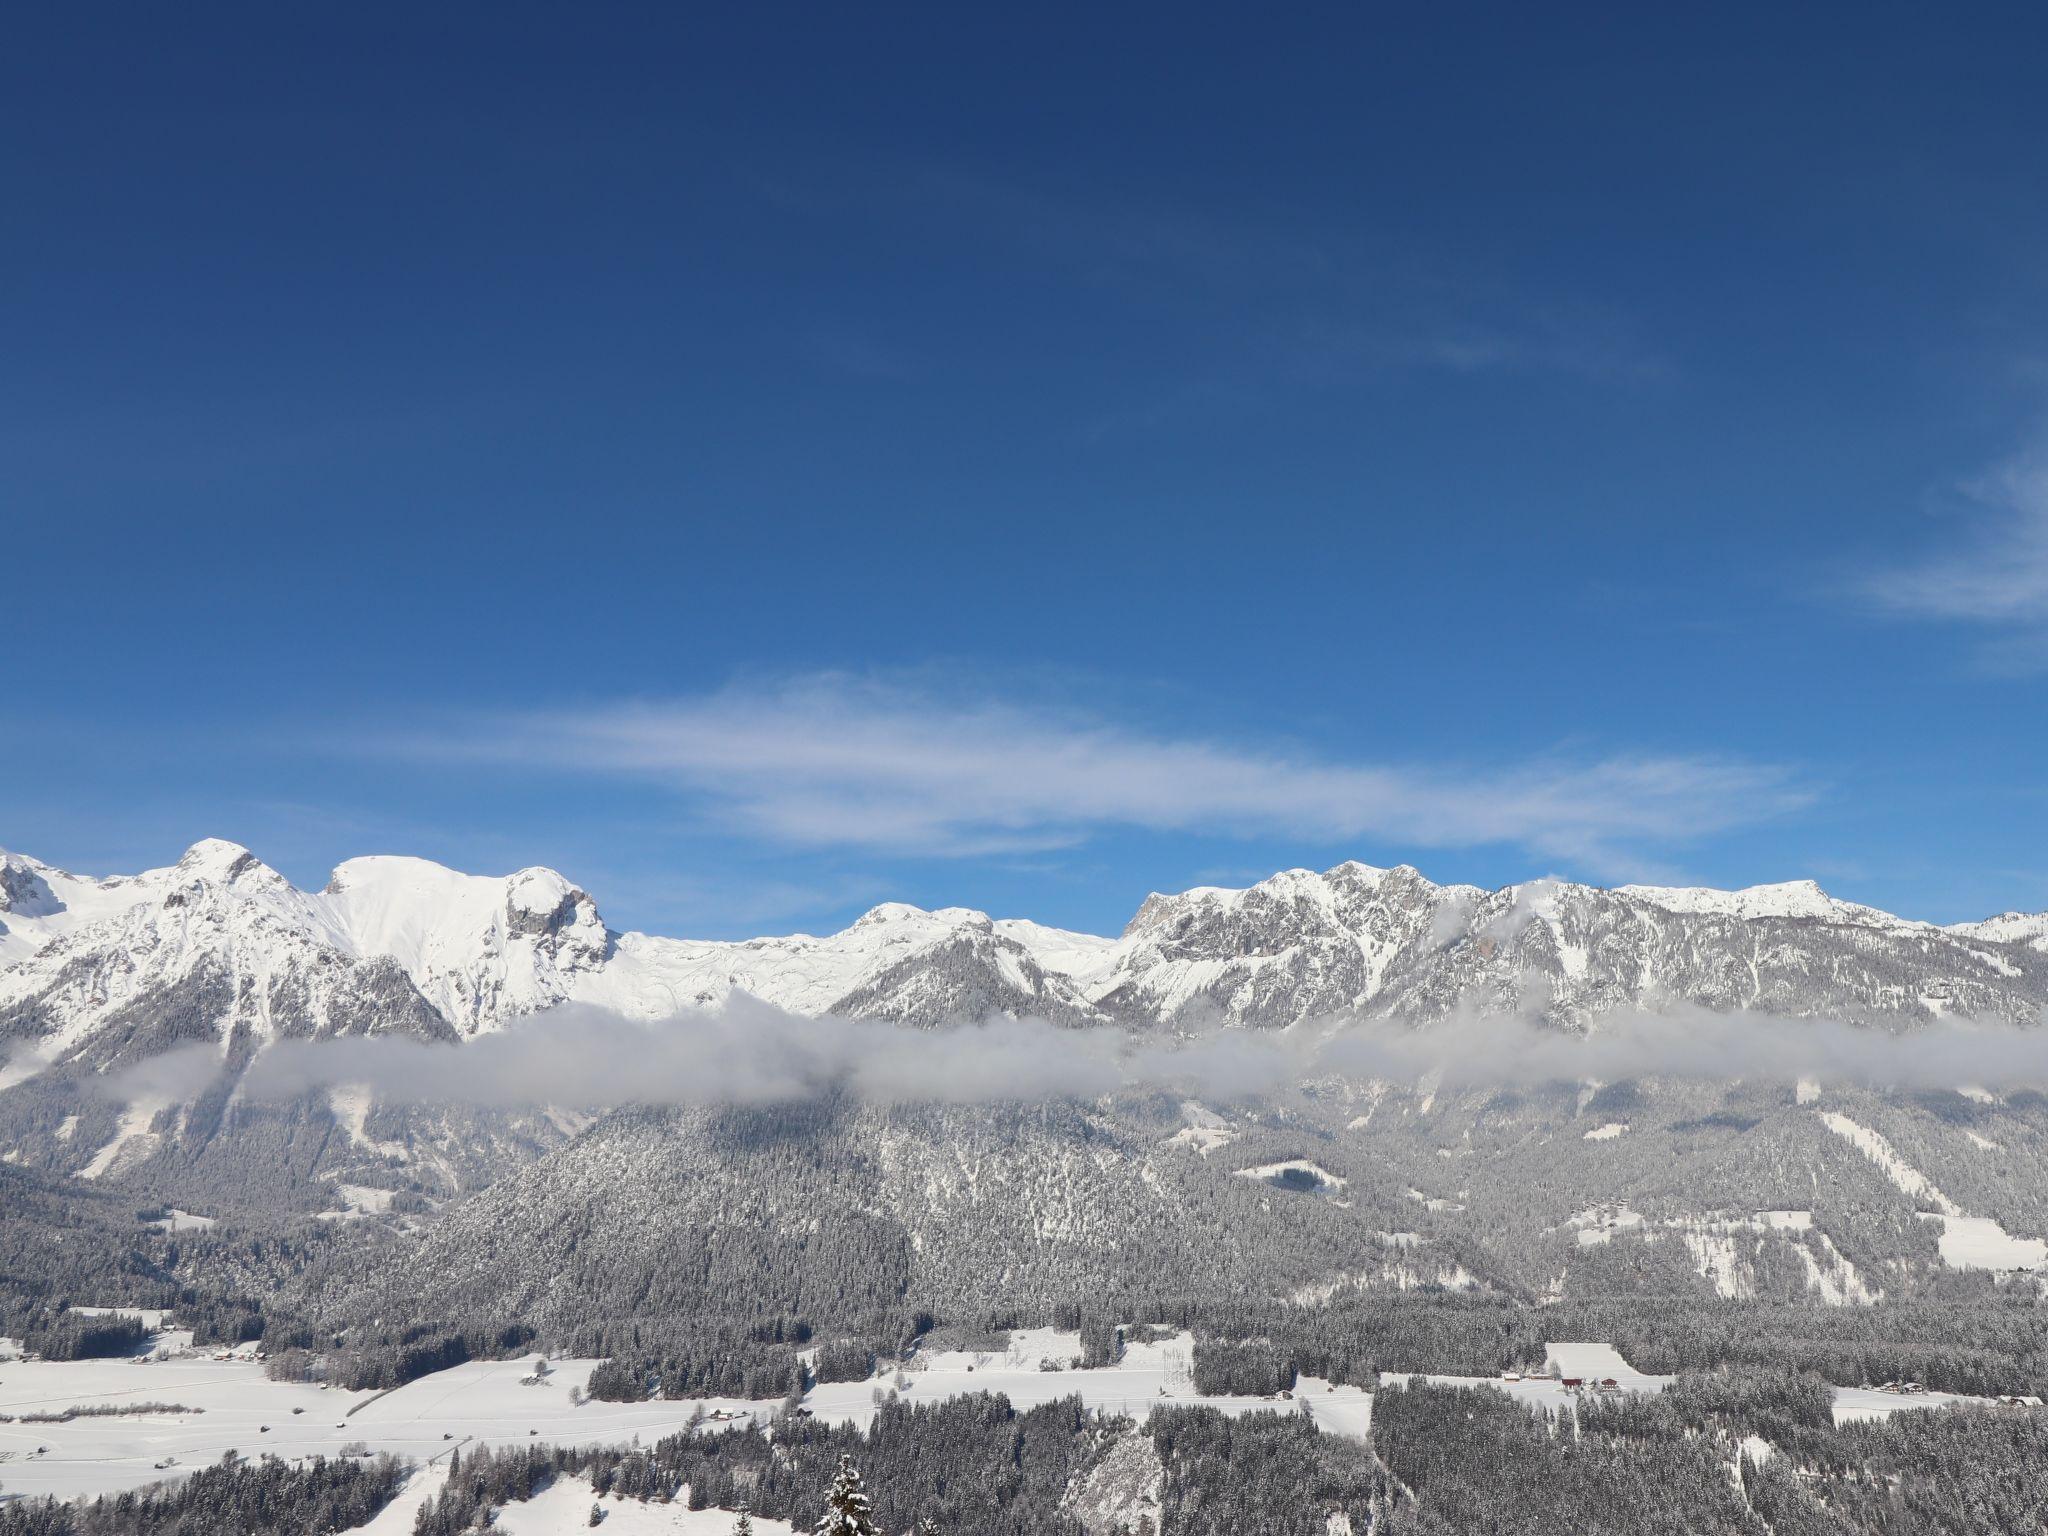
x=771 y=462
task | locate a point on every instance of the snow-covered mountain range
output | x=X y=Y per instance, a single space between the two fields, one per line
x=551 y=1211
x=219 y=946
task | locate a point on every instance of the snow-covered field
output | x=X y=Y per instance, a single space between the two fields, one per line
x=1978 y=1242
x=1590 y=1363
x=1853 y=1403
x=564 y=1507
x=488 y=1402
x=480 y=1402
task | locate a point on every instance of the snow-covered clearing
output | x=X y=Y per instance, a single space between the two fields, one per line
x=1430 y=1202
x=564 y=1507
x=1600 y=1362
x=182 y=1221
x=1598 y=1224
x=1979 y=1242
x=1607 y=1132
x=1313 y=1174
x=1854 y=1403
x=358 y=1200
x=1203 y=1138
x=1589 y=1364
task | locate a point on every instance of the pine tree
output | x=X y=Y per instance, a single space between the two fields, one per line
x=847 y=1512
x=744 y=1526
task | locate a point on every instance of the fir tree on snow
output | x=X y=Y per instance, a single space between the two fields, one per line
x=744 y=1525
x=847 y=1512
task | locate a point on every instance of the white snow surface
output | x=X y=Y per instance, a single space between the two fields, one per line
x=39 y=902
x=1854 y=1403
x=1979 y=1242
x=480 y=1402
x=563 y=1508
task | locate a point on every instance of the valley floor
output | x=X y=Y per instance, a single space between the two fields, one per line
x=496 y=1403
x=188 y=1411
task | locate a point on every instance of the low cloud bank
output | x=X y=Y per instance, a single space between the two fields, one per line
x=752 y=1054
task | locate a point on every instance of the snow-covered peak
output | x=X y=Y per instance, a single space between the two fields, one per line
x=479 y=948
x=1787 y=898
x=25 y=887
x=217 y=859
x=2029 y=928
x=902 y=913
x=537 y=891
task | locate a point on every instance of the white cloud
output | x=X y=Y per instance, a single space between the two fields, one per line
x=830 y=760
x=750 y=1053
x=2000 y=577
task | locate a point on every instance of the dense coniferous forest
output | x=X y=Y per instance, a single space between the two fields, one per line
x=264 y=1497
x=971 y=1464
x=1979 y=1347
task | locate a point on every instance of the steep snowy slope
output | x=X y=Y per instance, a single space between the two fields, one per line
x=480 y=950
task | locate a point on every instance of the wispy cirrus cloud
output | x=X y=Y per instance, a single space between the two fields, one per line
x=831 y=760
x=1998 y=578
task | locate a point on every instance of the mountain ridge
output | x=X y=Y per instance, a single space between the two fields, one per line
x=475 y=952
